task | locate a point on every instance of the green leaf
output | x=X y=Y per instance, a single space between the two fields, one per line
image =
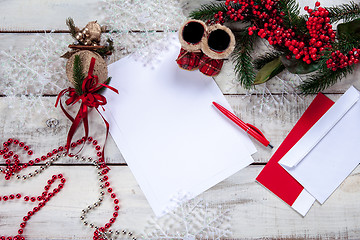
x=350 y=28
x=298 y=66
x=268 y=71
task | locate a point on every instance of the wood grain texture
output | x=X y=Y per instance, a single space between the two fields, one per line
x=274 y=119
x=226 y=80
x=46 y=14
x=255 y=212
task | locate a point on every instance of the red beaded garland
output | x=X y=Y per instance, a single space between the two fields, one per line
x=27 y=217
x=15 y=167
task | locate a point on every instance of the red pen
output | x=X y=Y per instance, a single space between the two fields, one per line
x=250 y=129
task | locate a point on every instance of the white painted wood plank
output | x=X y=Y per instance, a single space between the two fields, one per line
x=51 y=14
x=21 y=44
x=274 y=119
x=46 y=14
x=30 y=126
x=255 y=212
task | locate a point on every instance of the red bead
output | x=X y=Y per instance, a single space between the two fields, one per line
x=116 y=201
x=30 y=152
x=20 y=231
x=26 y=198
x=18 y=195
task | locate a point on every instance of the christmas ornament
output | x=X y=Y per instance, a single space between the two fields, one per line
x=88 y=38
x=85 y=56
x=301 y=44
x=87 y=92
x=204 y=47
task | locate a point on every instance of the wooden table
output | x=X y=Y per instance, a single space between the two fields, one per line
x=255 y=212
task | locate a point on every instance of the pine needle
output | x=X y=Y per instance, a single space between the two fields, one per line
x=207 y=11
x=346 y=12
x=291 y=9
x=324 y=79
x=266 y=58
x=101 y=90
x=72 y=28
x=78 y=74
x=242 y=59
x=108 y=48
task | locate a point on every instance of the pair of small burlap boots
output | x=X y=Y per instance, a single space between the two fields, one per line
x=204 y=47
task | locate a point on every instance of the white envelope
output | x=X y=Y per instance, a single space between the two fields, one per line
x=174 y=141
x=330 y=150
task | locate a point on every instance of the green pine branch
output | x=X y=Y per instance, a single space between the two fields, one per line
x=266 y=58
x=101 y=90
x=108 y=48
x=242 y=59
x=78 y=74
x=346 y=12
x=346 y=42
x=324 y=79
x=291 y=10
x=72 y=28
x=207 y=11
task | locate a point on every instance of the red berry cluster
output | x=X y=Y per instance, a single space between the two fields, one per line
x=43 y=199
x=339 y=60
x=269 y=24
x=320 y=30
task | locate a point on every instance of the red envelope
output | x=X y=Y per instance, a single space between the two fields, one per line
x=275 y=178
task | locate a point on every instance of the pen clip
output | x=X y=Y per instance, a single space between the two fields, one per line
x=255 y=129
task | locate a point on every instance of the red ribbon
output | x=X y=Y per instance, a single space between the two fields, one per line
x=89 y=99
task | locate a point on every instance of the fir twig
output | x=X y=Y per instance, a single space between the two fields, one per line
x=101 y=90
x=346 y=42
x=324 y=79
x=291 y=10
x=292 y=18
x=78 y=74
x=242 y=59
x=72 y=28
x=346 y=12
x=207 y=11
x=108 y=48
x=266 y=58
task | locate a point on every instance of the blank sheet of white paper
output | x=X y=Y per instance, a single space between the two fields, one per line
x=174 y=141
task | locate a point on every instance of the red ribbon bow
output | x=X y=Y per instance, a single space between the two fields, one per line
x=89 y=98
